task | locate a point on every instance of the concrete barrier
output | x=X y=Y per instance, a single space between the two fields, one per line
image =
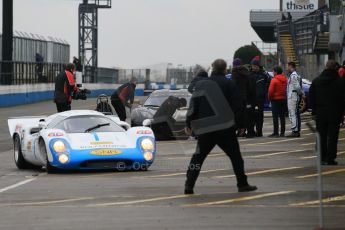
x=25 y=94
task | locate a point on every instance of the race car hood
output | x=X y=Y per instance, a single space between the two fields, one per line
x=119 y=140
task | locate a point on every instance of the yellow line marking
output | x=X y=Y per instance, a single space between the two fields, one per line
x=49 y=202
x=189 y=156
x=308 y=144
x=324 y=173
x=245 y=157
x=106 y=174
x=273 y=142
x=184 y=173
x=326 y=200
x=311 y=157
x=262 y=172
x=308 y=157
x=313 y=143
x=240 y=199
x=274 y=154
x=141 y=201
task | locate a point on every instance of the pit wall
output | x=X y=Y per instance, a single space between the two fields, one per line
x=13 y=95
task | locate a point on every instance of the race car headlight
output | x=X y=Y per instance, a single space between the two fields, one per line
x=148 y=156
x=63 y=158
x=59 y=147
x=147 y=144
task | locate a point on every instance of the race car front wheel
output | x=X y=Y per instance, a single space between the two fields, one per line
x=19 y=159
x=303 y=105
x=50 y=169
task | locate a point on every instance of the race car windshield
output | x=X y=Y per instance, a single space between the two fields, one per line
x=79 y=124
x=157 y=101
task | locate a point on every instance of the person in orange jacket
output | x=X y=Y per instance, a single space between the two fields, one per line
x=65 y=86
x=277 y=96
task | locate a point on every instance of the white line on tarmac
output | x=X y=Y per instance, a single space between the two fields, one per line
x=141 y=201
x=261 y=172
x=17 y=185
x=246 y=198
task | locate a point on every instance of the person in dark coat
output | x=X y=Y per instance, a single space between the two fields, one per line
x=199 y=74
x=260 y=81
x=240 y=75
x=64 y=88
x=211 y=134
x=124 y=97
x=39 y=68
x=327 y=100
x=163 y=121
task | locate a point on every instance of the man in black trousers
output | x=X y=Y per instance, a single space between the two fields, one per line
x=220 y=130
x=327 y=100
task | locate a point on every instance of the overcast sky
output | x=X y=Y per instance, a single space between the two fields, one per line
x=138 y=33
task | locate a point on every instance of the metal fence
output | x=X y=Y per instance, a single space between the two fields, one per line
x=17 y=73
x=179 y=75
x=124 y=75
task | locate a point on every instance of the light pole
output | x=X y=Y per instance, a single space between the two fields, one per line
x=168 y=73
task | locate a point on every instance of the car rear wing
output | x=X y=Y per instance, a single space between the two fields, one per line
x=17 y=124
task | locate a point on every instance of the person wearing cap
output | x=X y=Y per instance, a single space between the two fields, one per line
x=199 y=74
x=260 y=81
x=294 y=95
x=122 y=99
x=240 y=75
x=277 y=96
x=216 y=100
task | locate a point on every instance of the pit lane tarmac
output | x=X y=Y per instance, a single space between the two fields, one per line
x=283 y=169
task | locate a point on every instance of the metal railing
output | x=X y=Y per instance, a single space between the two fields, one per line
x=18 y=73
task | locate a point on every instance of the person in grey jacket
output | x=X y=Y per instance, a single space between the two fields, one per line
x=294 y=96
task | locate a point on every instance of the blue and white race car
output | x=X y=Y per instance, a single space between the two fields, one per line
x=82 y=140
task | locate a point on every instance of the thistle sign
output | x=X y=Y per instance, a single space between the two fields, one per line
x=300 y=5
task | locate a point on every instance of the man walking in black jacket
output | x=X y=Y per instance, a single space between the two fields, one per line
x=327 y=99
x=221 y=130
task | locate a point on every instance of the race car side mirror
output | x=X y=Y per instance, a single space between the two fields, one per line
x=42 y=123
x=147 y=122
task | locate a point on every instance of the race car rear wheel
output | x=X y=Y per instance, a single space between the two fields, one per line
x=19 y=159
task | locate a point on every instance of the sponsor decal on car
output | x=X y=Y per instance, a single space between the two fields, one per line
x=106 y=152
x=144 y=132
x=55 y=134
x=101 y=143
x=29 y=145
